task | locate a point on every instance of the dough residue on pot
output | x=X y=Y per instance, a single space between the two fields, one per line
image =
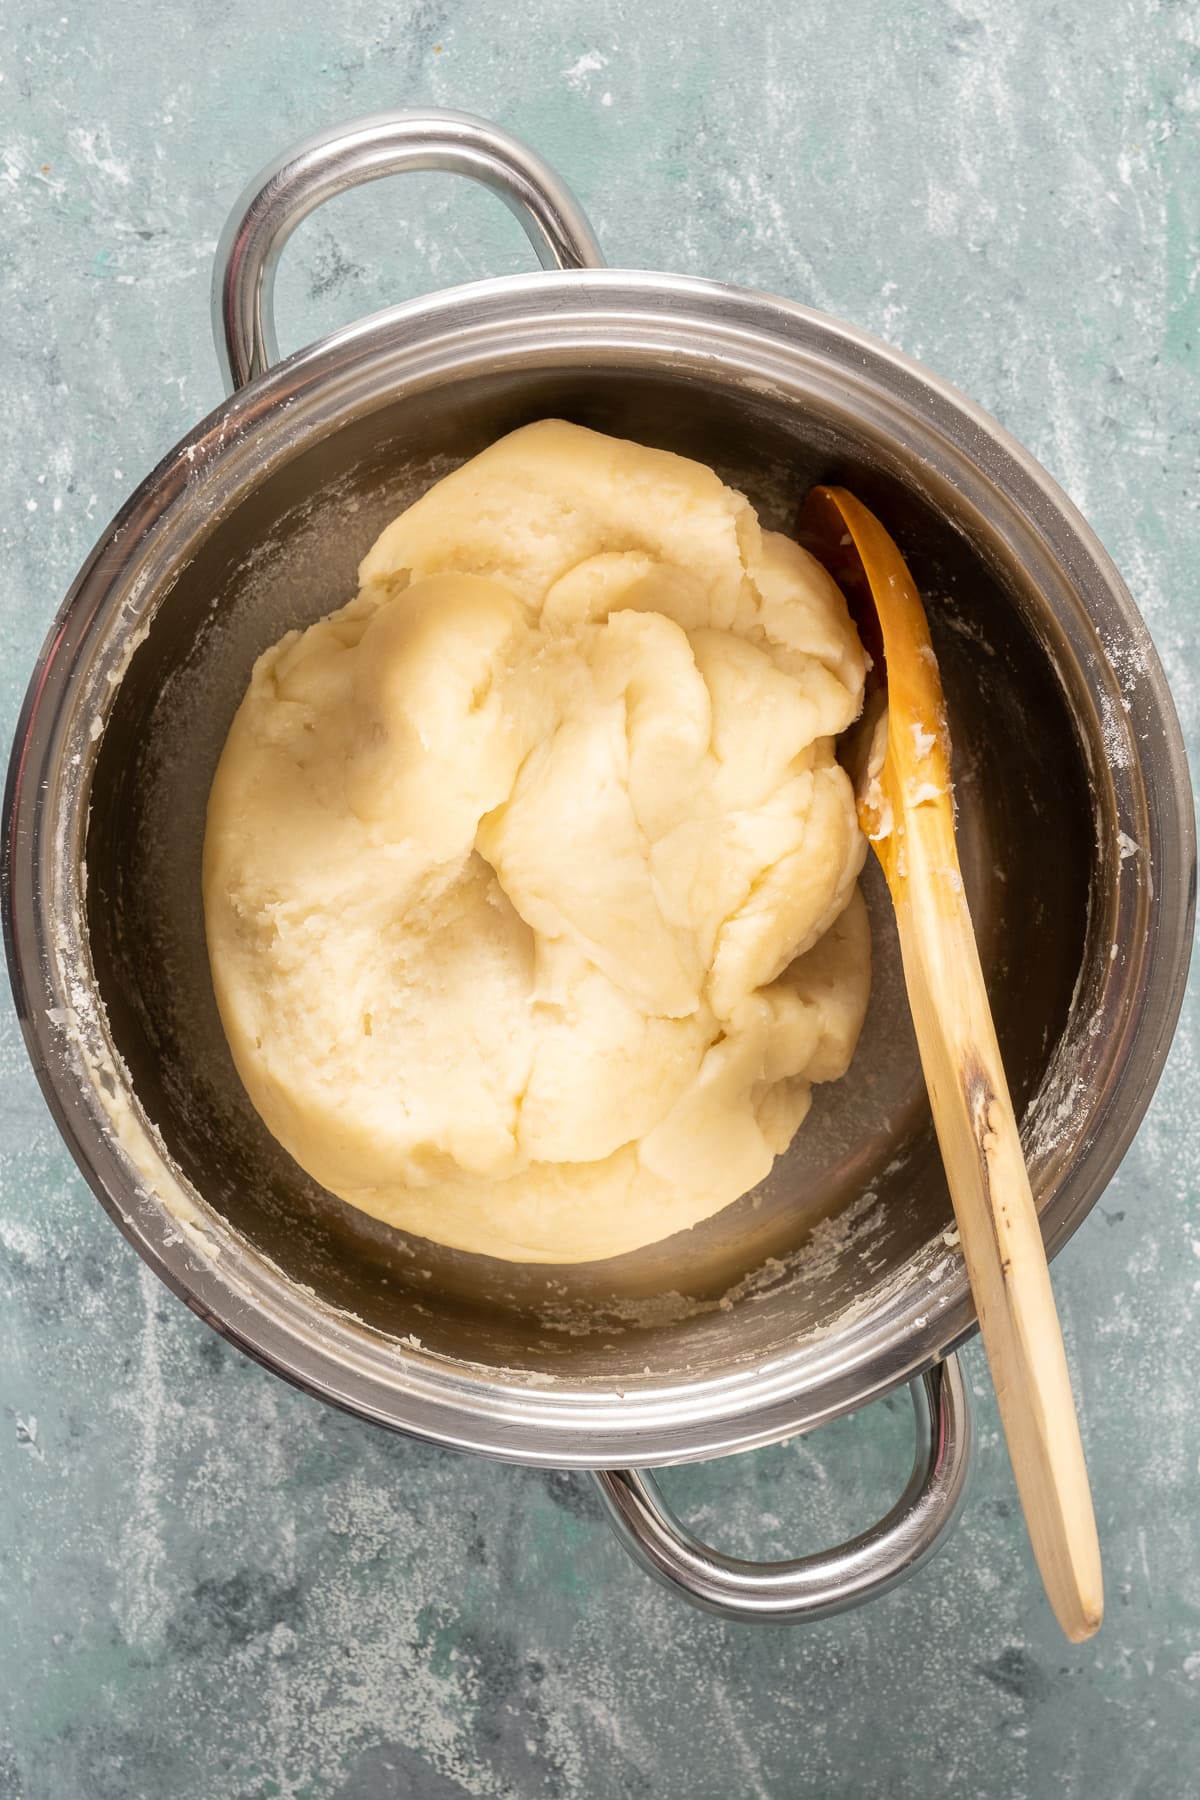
x=529 y=875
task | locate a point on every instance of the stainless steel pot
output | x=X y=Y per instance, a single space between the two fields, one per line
x=834 y=1282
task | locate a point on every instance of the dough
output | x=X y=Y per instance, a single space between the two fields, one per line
x=529 y=875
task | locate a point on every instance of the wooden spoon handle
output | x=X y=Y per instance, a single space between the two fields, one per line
x=904 y=801
x=997 y=1218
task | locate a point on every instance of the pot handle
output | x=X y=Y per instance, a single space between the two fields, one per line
x=811 y=1587
x=289 y=188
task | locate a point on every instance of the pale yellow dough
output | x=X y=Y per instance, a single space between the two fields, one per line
x=529 y=875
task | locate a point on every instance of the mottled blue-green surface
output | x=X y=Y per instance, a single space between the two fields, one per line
x=213 y=1587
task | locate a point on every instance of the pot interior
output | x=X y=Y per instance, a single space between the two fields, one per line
x=859 y=1200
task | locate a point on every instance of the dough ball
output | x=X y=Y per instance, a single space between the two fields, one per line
x=529 y=875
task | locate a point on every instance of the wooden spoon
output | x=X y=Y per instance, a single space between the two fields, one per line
x=900 y=763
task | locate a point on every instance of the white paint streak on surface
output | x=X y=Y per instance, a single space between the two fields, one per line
x=94 y=149
x=590 y=63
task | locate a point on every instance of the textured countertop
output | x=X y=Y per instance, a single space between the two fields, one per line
x=216 y=1589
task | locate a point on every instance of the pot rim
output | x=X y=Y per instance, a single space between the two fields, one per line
x=544 y=317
